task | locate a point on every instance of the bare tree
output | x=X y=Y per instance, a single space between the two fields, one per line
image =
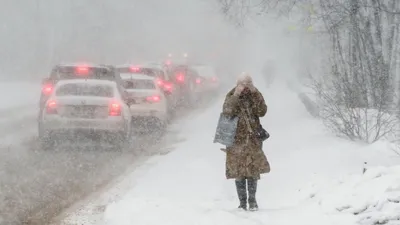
x=358 y=99
x=358 y=96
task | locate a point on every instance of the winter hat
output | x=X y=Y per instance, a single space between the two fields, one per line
x=244 y=78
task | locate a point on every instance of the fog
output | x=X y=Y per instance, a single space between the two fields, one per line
x=38 y=34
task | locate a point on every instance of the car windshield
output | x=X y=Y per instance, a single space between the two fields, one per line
x=96 y=90
x=139 y=84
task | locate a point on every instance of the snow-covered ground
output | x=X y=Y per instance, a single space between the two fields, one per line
x=373 y=197
x=315 y=177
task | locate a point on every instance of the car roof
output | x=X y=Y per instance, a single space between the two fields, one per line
x=86 y=81
x=143 y=65
x=136 y=76
x=180 y=65
x=92 y=65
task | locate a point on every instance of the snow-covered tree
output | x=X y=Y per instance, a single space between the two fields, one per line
x=358 y=93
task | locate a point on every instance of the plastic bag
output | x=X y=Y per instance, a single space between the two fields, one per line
x=226 y=130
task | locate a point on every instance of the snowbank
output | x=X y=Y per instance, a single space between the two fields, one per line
x=373 y=197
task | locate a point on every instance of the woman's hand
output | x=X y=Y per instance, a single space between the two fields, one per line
x=239 y=89
x=251 y=87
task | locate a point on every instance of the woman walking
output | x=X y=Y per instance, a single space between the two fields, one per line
x=245 y=159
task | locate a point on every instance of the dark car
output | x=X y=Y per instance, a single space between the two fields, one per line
x=186 y=80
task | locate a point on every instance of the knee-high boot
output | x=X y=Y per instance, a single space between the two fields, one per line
x=252 y=186
x=242 y=192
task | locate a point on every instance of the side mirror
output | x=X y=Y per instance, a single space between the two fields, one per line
x=128 y=102
x=125 y=99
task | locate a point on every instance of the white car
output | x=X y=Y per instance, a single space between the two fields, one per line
x=159 y=72
x=88 y=106
x=146 y=99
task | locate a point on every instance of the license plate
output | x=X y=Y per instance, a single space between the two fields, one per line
x=81 y=123
x=86 y=112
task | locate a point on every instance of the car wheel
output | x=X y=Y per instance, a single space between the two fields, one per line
x=161 y=127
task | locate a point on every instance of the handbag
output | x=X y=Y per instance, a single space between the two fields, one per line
x=261 y=134
x=226 y=130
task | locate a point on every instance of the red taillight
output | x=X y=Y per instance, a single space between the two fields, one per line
x=114 y=109
x=159 y=82
x=51 y=107
x=214 y=79
x=47 y=89
x=82 y=70
x=168 y=86
x=180 y=77
x=154 y=98
x=134 y=69
x=198 y=81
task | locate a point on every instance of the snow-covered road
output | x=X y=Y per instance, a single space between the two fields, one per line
x=187 y=186
x=36 y=185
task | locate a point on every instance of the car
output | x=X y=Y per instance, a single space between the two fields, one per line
x=80 y=106
x=67 y=71
x=184 y=79
x=149 y=68
x=210 y=82
x=157 y=71
x=147 y=102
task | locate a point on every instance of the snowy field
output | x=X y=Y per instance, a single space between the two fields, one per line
x=18 y=94
x=18 y=109
x=315 y=178
x=370 y=198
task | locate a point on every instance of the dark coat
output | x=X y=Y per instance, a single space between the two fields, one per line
x=246 y=157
